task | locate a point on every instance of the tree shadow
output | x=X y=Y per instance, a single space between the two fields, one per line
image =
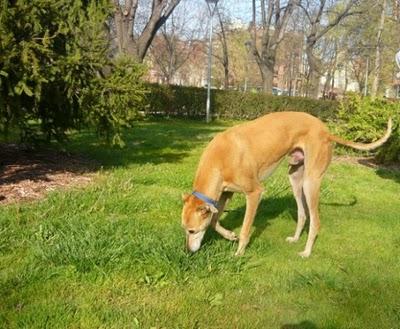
x=147 y=142
x=301 y=325
x=386 y=171
x=389 y=174
x=389 y=171
x=21 y=162
x=27 y=171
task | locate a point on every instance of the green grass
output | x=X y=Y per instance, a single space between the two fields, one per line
x=111 y=255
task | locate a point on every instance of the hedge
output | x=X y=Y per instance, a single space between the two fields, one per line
x=164 y=100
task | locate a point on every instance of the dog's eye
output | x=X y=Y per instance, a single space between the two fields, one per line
x=191 y=231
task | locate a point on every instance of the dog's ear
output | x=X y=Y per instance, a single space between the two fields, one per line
x=185 y=197
x=206 y=209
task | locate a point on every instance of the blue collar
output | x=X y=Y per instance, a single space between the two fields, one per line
x=205 y=198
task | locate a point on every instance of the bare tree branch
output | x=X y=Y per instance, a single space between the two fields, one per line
x=125 y=18
x=339 y=17
x=274 y=23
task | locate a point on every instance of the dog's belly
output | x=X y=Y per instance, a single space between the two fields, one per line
x=268 y=170
x=264 y=172
x=230 y=187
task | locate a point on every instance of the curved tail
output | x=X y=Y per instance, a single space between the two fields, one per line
x=365 y=147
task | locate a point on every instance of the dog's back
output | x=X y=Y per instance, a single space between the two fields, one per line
x=269 y=137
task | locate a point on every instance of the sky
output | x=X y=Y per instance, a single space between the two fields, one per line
x=237 y=9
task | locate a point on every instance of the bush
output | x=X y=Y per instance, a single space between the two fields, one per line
x=52 y=58
x=191 y=102
x=238 y=105
x=112 y=101
x=169 y=100
x=364 y=120
x=390 y=151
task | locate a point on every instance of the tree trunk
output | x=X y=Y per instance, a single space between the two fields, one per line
x=267 y=76
x=226 y=76
x=378 y=53
x=313 y=87
x=274 y=20
x=225 y=54
x=330 y=79
x=327 y=84
x=346 y=80
x=314 y=74
x=225 y=60
x=266 y=65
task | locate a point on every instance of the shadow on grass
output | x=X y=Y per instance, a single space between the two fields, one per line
x=302 y=325
x=20 y=162
x=268 y=210
x=27 y=172
x=351 y=203
x=147 y=142
x=390 y=171
x=389 y=174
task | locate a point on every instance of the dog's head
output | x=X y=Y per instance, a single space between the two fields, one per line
x=196 y=217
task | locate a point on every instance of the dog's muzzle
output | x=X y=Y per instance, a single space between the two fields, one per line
x=193 y=241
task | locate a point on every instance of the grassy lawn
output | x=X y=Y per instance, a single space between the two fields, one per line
x=111 y=255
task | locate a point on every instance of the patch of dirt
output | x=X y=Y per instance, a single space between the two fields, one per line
x=365 y=161
x=27 y=174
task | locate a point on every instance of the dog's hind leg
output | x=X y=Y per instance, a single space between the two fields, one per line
x=296 y=173
x=252 y=200
x=229 y=235
x=311 y=188
x=315 y=167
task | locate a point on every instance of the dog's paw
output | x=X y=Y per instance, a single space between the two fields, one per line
x=239 y=253
x=232 y=236
x=291 y=239
x=304 y=254
x=243 y=242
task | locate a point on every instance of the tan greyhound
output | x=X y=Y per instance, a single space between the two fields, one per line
x=238 y=159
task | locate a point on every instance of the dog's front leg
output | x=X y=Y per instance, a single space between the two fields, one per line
x=252 y=201
x=229 y=235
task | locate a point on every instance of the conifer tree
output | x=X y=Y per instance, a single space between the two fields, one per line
x=52 y=55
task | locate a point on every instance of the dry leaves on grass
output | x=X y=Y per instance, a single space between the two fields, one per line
x=27 y=174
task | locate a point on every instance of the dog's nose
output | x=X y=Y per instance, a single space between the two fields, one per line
x=191 y=231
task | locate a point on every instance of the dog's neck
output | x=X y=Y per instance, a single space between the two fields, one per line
x=209 y=184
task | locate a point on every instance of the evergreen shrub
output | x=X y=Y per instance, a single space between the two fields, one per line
x=56 y=72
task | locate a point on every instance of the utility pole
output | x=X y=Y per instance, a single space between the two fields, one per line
x=247 y=44
x=366 y=78
x=212 y=5
x=397 y=58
